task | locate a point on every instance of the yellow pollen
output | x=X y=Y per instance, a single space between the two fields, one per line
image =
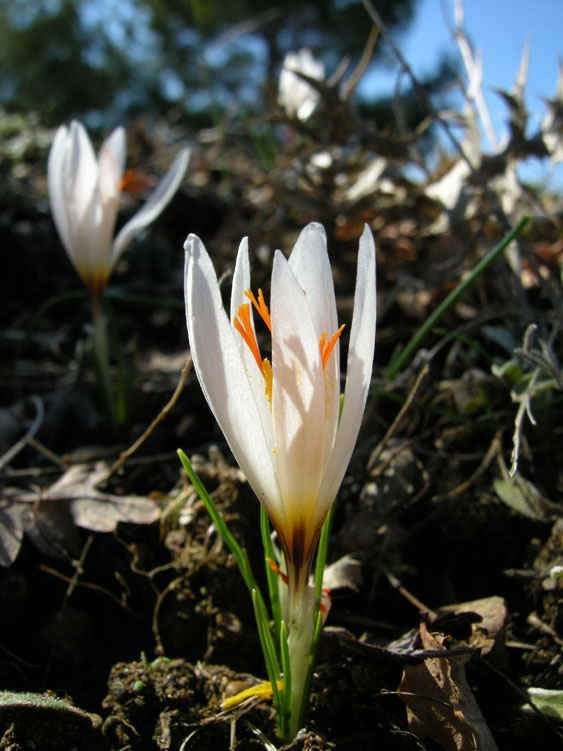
x=260 y=306
x=268 y=378
x=326 y=347
x=243 y=325
x=261 y=691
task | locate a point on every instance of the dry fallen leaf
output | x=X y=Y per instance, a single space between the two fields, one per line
x=50 y=518
x=346 y=572
x=440 y=704
x=488 y=631
x=11 y=532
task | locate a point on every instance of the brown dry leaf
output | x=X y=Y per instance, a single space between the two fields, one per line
x=489 y=630
x=51 y=517
x=11 y=533
x=346 y=572
x=440 y=704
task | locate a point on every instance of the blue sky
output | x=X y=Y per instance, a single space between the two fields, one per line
x=499 y=29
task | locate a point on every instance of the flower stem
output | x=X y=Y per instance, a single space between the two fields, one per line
x=100 y=352
x=301 y=612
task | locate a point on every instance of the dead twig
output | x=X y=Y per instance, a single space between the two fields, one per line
x=493 y=450
x=423 y=97
x=398 y=419
x=161 y=415
x=88 y=585
x=24 y=440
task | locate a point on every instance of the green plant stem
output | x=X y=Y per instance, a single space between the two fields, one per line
x=397 y=364
x=101 y=357
x=302 y=604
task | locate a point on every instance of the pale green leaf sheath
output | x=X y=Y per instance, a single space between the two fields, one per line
x=281 y=418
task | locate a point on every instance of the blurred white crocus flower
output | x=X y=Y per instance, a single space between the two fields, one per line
x=84 y=193
x=297 y=97
x=281 y=419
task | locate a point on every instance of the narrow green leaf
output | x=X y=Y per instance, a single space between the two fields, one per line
x=320 y=561
x=397 y=364
x=268 y=647
x=241 y=557
x=312 y=661
x=286 y=669
x=219 y=523
x=271 y=576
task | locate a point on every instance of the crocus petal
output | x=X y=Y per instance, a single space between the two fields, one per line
x=241 y=282
x=359 y=367
x=56 y=186
x=80 y=170
x=298 y=407
x=310 y=263
x=223 y=376
x=111 y=163
x=72 y=174
x=296 y=96
x=111 y=166
x=153 y=206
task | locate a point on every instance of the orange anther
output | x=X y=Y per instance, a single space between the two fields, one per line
x=260 y=306
x=244 y=326
x=127 y=179
x=276 y=569
x=327 y=347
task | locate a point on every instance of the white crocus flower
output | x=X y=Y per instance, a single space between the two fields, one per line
x=297 y=97
x=84 y=193
x=281 y=420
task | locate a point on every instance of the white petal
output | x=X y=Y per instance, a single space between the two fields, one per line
x=84 y=207
x=241 y=279
x=111 y=165
x=223 y=377
x=111 y=161
x=56 y=187
x=310 y=263
x=81 y=171
x=298 y=406
x=153 y=206
x=360 y=364
x=296 y=96
x=241 y=282
x=73 y=175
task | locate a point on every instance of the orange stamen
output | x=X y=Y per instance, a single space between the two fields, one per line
x=276 y=569
x=325 y=605
x=327 y=347
x=244 y=326
x=260 y=306
x=127 y=179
